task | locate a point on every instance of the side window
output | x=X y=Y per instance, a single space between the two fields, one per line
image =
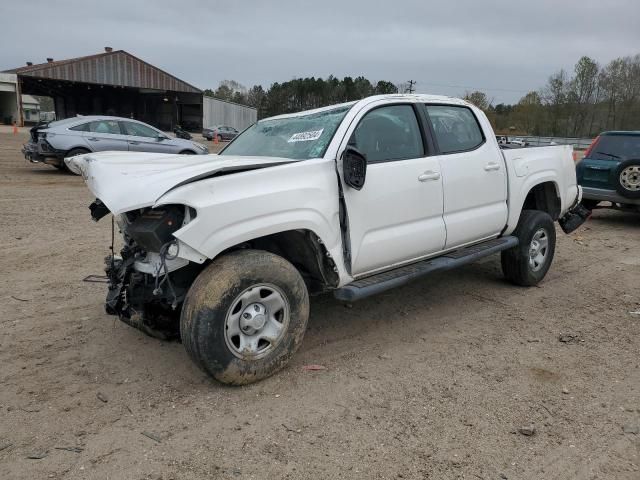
x=455 y=128
x=105 y=126
x=389 y=133
x=138 y=130
x=83 y=127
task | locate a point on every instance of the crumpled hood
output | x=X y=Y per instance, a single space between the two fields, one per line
x=125 y=181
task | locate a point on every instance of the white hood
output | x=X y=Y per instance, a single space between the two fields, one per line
x=125 y=181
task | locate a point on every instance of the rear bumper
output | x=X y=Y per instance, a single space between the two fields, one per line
x=577 y=214
x=602 y=194
x=32 y=153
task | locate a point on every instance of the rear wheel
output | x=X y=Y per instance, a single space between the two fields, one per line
x=245 y=316
x=528 y=263
x=628 y=179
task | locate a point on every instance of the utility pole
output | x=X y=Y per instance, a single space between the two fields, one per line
x=410 y=88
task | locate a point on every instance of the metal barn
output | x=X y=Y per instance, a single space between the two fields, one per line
x=112 y=83
x=219 y=112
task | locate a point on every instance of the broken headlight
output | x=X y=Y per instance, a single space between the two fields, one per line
x=152 y=228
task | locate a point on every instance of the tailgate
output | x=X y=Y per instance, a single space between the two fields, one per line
x=596 y=173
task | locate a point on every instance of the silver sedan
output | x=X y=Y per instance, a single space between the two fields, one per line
x=51 y=143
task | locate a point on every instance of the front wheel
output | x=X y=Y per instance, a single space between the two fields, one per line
x=528 y=263
x=245 y=316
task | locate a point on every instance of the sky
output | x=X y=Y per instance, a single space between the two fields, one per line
x=504 y=48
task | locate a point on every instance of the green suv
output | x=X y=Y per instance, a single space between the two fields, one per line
x=610 y=171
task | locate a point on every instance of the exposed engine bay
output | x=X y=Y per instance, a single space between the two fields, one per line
x=147 y=280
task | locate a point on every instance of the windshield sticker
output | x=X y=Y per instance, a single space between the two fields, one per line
x=306 y=136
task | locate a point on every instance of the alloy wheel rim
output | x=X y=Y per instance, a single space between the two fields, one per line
x=256 y=321
x=538 y=250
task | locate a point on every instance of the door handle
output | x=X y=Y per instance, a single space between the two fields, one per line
x=429 y=175
x=134 y=143
x=93 y=139
x=492 y=166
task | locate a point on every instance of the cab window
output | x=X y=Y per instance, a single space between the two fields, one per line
x=83 y=127
x=389 y=133
x=455 y=128
x=105 y=126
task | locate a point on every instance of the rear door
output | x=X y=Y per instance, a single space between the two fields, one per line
x=142 y=138
x=397 y=216
x=473 y=173
x=105 y=135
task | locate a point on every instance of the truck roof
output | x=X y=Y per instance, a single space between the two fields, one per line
x=416 y=97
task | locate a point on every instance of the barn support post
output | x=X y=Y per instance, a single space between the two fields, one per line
x=20 y=120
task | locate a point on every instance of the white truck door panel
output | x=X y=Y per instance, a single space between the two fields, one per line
x=473 y=173
x=397 y=216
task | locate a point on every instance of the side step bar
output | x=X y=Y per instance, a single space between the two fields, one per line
x=380 y=282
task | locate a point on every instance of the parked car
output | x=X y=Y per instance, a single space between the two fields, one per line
x=223 y=132
x=52 y=142
x=519 y=141
x=356 y=198
x=179 y=132
x=610 y=171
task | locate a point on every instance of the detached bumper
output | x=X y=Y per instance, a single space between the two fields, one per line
x=577 y=214
x=574 y=218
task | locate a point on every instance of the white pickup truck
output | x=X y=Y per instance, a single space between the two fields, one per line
x=356 y=198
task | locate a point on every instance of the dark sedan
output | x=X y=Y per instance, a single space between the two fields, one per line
x=221 y=132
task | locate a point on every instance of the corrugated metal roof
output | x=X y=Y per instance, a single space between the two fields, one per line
x=117 y=68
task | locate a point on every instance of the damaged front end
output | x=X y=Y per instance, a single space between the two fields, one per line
x=149 y=280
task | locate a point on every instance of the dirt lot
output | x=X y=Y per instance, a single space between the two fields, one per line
x=433 y=380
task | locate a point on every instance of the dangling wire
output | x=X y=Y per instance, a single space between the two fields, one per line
x=164 y=256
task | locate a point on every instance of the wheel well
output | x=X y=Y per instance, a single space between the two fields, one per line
x=188 y=152
x=78 y=148
x=306 y=251
x=544 y=197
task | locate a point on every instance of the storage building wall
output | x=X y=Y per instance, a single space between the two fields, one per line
x=218 y=112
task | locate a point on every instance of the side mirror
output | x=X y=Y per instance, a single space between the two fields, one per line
x=354 y=168
x=161 y=137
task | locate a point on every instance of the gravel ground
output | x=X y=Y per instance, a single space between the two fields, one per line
x=444 y=378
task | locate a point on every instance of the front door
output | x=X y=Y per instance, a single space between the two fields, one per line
x=474 y=173
x=105 y=135
x=397 y=216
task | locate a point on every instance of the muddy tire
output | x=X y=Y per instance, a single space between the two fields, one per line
x=528 y=263
x=245 y=316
